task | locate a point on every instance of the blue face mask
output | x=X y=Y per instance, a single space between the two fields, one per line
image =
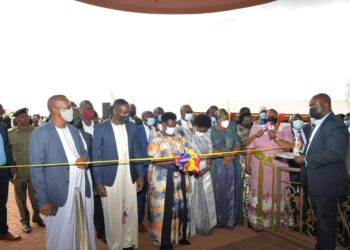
x=188 y=117
x=263 y=116
x=213 y=121
x=347 y=123
x=159 y=118
x=297 y=124
x=151 y=121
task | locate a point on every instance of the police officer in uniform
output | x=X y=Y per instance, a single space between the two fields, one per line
x=19 y=140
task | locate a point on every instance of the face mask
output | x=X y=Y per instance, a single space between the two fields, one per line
x=170 y=130
x=67 y=114
x=263 y=116
x=314 y=113
x=159 y=118
x=132 y=114
x=89 y=114
x=346 y=123
x=123 y=119
x=272 y=120
x=188 y=117
x=199 y=134
x=297 y=124
x=225 y=123
x=213 y=120
x=150 y=121
x=248 y=125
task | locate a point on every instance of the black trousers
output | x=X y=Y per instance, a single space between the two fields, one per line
x=325 y=209
x=98 y=217
x=4 y=190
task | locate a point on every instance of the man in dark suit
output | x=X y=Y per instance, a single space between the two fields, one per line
x=118 y=183
x=86 y=127
x=144 y=132
x=325 y=163
x=6 y=174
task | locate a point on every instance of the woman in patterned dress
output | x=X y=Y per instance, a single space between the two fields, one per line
x=168 y=188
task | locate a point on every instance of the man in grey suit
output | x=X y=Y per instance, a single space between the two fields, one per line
x=57 y=186
x=325 y=159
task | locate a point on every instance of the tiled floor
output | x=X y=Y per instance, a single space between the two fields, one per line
x=36 y=239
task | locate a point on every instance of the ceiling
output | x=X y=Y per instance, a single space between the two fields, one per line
x=175 y=6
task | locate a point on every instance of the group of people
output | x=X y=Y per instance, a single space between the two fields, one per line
x=86 y=176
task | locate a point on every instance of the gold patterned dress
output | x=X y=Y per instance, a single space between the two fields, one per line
x=167 y=192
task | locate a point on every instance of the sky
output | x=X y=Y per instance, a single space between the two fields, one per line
x=287 y=50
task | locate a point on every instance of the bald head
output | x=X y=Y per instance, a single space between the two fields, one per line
x=320 y=105
x=185 y=109
x=55 y=101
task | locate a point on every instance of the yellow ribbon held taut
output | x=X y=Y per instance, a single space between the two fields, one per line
x=210 y=155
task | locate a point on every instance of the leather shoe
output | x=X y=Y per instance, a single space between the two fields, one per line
x=39 y=222
x=9 y=236
x=184 y=242
x=26 y=228
x=142 y=228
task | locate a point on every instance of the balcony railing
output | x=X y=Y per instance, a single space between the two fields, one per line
x=304 y=219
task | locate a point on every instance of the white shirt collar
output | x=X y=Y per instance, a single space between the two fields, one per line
x=320 y=121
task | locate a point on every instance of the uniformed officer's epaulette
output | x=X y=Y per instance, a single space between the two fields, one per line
x=12 y=129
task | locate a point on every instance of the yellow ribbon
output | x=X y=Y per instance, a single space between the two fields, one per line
x=220 y=154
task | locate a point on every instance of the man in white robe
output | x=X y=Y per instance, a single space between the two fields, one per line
x=56 y=186
x=118 y=183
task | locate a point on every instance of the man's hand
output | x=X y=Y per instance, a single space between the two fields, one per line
x=299 y=159
x=140 y=183
x=80 y=162
x=46 y=209
x=101 y=190
x=13 y=173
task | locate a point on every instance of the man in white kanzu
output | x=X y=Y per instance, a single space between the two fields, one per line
x=64 y=193
x=115 y=182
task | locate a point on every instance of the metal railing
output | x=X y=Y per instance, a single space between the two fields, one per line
x=304 y=219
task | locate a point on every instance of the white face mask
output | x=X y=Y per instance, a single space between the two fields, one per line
x=170 y=130
x=200 y=134
x=67 y=114
x=225 y=123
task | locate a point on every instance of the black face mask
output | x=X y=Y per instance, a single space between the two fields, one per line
x=248 y=126
x=132 y=114
x=272 y=120
x=123 y=119
x=314 y=113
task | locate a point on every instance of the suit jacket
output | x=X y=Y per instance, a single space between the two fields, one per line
x=51 y=183
x=326 y=159
x=104 y=148
x=143 y=140
x=5 y=172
